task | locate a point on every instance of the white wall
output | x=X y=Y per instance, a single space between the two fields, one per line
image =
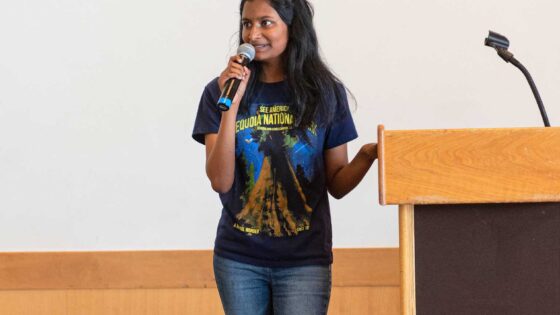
x=98 y=98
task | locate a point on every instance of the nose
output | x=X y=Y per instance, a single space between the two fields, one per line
x=254 y=33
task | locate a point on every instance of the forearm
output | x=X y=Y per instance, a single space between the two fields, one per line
x=220 y=152
x=349 y=176
x=220 y=164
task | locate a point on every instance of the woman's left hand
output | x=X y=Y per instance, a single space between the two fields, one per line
x=369 y=150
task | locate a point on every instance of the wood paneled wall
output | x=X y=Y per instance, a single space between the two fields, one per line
x=365 y=281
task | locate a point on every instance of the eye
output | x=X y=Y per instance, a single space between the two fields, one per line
x=266 y=23
x=246 y=24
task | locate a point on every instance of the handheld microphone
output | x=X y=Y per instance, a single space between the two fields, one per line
x=247 y=53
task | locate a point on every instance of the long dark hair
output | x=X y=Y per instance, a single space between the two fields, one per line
x=312 y=85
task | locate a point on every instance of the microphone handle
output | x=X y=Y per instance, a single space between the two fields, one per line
x=230 y=89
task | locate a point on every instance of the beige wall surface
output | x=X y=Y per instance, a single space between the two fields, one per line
x=98 y=99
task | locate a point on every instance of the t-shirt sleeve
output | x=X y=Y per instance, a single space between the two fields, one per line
x=208 y=116
x=342 y=129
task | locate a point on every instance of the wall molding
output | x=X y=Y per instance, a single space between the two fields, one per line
x=359 y=267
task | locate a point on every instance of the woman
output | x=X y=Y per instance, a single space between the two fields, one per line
x=272 y=158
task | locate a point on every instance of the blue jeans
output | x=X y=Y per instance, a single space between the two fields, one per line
x=253 y=290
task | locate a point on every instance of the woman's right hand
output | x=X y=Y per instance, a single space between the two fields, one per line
x=235 y=70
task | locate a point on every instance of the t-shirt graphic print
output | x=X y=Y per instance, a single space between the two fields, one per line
x=274 y=157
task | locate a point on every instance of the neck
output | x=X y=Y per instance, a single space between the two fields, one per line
x=272 y=72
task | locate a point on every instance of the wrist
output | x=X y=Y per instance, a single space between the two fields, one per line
x=229 y=117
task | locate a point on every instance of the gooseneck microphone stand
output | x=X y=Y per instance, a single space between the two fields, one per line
x=501 y=44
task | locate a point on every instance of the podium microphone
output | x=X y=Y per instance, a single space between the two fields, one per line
x=247 y=53
x=501 y=44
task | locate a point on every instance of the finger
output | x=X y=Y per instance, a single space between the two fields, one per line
x=233 y=73
x=245 y=78
x=237 y=69
x=244 y=82
x=247 y=73
x=236 y=74
x=229 y=74
x=234 y=63
x=235 y=60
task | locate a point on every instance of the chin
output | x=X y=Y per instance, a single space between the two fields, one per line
x=265 y=58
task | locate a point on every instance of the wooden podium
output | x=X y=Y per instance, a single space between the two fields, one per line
x=479 y=218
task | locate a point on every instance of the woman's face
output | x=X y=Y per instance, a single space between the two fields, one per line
x=263 y=28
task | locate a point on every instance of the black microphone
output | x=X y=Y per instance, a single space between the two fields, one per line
x=501 y=44
x=247 y=53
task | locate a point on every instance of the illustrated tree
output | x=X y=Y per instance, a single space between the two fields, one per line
x=276 y=204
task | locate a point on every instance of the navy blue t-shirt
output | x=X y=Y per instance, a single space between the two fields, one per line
x=277 y=211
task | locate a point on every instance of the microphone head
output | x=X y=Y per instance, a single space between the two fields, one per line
x=247 y=50
x=496 y=41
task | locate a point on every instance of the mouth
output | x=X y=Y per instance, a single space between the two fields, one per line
x=259 y=47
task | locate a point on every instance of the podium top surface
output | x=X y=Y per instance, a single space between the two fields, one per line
x=454 y=166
